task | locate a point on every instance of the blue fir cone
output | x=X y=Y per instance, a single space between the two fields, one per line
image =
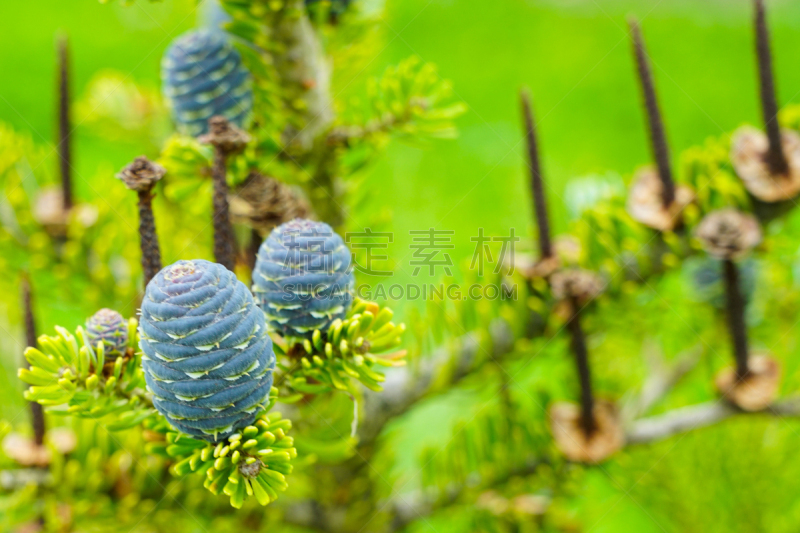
x=302 y=279
x=203 y=76
x=110 y=328
x=208 y=358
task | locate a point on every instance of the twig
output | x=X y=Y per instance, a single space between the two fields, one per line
x=658 y=138
x=419 y=504
x=697 y=416
x=776 y=158
x=660 y=382
x=151 y=252
x=537 y=184
x=404 y=386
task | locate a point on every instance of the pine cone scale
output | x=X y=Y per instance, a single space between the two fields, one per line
x=223 y=364
x=110 y=328
x=181 y=411
x=208 y=358
x=203 y=76
x=303 y=280
x=194 y=394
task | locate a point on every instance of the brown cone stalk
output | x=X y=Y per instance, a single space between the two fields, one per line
x=536 y=181
x=582 y=364
x=227 y=140
x=37 y=413
x=767 y=162
x=577 y=287
x=591 y=431
x=141 y=176
x=658 y=138
x=64 y=124
x=776 y=158
x=736 y=320
x=728 y=235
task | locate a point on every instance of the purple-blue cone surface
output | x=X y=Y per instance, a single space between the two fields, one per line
x=208 y=358
x=302 y=279
x=110 y=328
x=203 y=76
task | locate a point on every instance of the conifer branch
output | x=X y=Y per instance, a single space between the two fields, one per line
x=536 y=182
x=405 y=387
x=418 y=505
x=658 y=137
x=686 y=419
x=661 y=380
x=776 y=158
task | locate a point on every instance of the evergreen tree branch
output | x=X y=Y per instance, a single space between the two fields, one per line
x=686 y=419
x=660 y=382
x=420 y=504
x=406 y=386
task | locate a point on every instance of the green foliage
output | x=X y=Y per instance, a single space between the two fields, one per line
x=253 y=462
x=68 y=372
x=409 y=100
x=115 y=107
x=348 y=353
x=87 y=246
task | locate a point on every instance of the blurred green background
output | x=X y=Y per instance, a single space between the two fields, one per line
x=573 y=54
x=575 y=57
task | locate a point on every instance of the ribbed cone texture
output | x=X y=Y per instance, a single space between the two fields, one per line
x=302 y=279
x=208 y=359
x=203 y=75
x=110 y=328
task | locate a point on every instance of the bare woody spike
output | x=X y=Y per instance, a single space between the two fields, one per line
x=37 y=413
x=227 y=140
x=592 y=431
x=253 y=247
x=736 y=321
x=658 y=138
x=536 y=183
x=729 y=235
x=577 y=287
x=753 y=383
x=141 y=176
x=64 y=124
x=578 y=341
x=776 y=158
